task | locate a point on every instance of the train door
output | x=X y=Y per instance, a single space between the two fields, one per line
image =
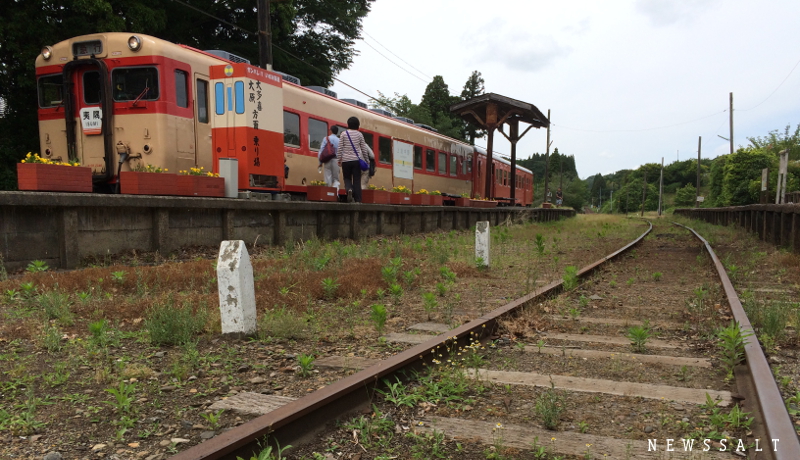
x=89 y=129
x=202 y=125
x=184 y=127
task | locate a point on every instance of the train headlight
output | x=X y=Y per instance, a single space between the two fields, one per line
x=47 y=53
x=135 y=43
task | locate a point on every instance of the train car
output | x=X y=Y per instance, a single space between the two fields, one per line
x=119 y=102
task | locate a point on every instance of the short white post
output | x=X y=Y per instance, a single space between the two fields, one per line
x=237 y=295
x=482 y=242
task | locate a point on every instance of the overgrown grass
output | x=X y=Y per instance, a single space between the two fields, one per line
x=170 y=324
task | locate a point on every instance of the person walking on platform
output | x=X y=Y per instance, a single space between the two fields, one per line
x=367 y=175
x=559 y=198
x=331 y=167
x=352 y=148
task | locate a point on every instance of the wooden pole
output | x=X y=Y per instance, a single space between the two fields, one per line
x=547 y=160
x=699 y=148
x=644 y=191
x=513 y=132
x=661 y=188
x=264 y=52
x=491 y=125
x=731 y=121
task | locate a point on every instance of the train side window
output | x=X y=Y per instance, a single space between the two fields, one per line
x=202 y=100
x=50 y=94
x=238 y=90
x=442 y=163
x=91 y=87
x=417 y=157
x=385 y=150
x=464 y=163
x=219 y=96
x=135 y=83
x=430 y=160
x=291 y=129
x=368 y=138
x=317 y=130
x=181 y=89
x=453 y=165
x=469 y=165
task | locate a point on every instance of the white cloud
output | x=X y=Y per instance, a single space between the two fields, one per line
x=668 y=12
x=515 y=49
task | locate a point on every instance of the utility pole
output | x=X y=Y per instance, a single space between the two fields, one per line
x=264 y=36
x=547 y=159
x=731 y=121
x=661 y=187
x=644 y=191
x=561 y=171
x=699 y=147
x=612 y=201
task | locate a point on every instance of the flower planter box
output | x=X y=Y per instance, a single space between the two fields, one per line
x=321 y=193
x=420 y=200
x=399 y=198
x=547 y=205
x=201 y=186
x=465 y=202
x=148 y=183
x=54 y=178
x=376 y=196
x=436 y=200
x=483 y=204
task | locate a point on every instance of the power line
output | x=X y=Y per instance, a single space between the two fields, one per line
x=398 y=57
x=398 y=65
x=214 y=17
x=639 y=130
x=773 y=92
x=276 y=46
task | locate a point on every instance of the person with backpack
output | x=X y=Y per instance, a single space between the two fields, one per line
x=328 y=158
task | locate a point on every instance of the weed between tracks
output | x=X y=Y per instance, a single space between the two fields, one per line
x=150 y=322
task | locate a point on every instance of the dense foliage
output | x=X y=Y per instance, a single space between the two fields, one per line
x=321 y=34
x=434 y=108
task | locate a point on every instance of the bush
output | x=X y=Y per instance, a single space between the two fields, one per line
x=685 y=196
x=171 y=325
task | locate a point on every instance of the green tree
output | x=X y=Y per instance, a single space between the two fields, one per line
x=685 y=196
x=776 y=141
x=322 y=34
x=716 y=178
x=437 y=100
x=472 y=88
x=629 y=197
x=575 y=193
x=742 y=180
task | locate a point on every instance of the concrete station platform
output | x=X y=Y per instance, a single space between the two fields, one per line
x=63 y=228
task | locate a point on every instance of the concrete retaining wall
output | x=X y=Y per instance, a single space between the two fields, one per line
x=63 y=228
x=778 y=224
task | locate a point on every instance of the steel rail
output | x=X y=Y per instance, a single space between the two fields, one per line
x=301 y=418
x=774 y=416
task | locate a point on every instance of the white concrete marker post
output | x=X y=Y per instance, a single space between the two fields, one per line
x=237 y=295
x=482 y=242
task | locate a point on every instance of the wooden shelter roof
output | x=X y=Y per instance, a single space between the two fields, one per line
x=474 y=110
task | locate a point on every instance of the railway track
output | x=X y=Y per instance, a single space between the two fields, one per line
x=553 y=375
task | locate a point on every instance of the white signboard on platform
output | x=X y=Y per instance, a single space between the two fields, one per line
x=403 y=160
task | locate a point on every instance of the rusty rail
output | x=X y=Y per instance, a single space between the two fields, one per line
x=300 y=419
x=768 y=399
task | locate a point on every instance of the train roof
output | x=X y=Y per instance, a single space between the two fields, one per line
x=461 y=146
x=503 y=160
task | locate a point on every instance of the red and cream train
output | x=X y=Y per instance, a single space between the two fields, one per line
x=116 y=101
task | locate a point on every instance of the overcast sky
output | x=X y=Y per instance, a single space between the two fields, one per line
x=627 y=82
